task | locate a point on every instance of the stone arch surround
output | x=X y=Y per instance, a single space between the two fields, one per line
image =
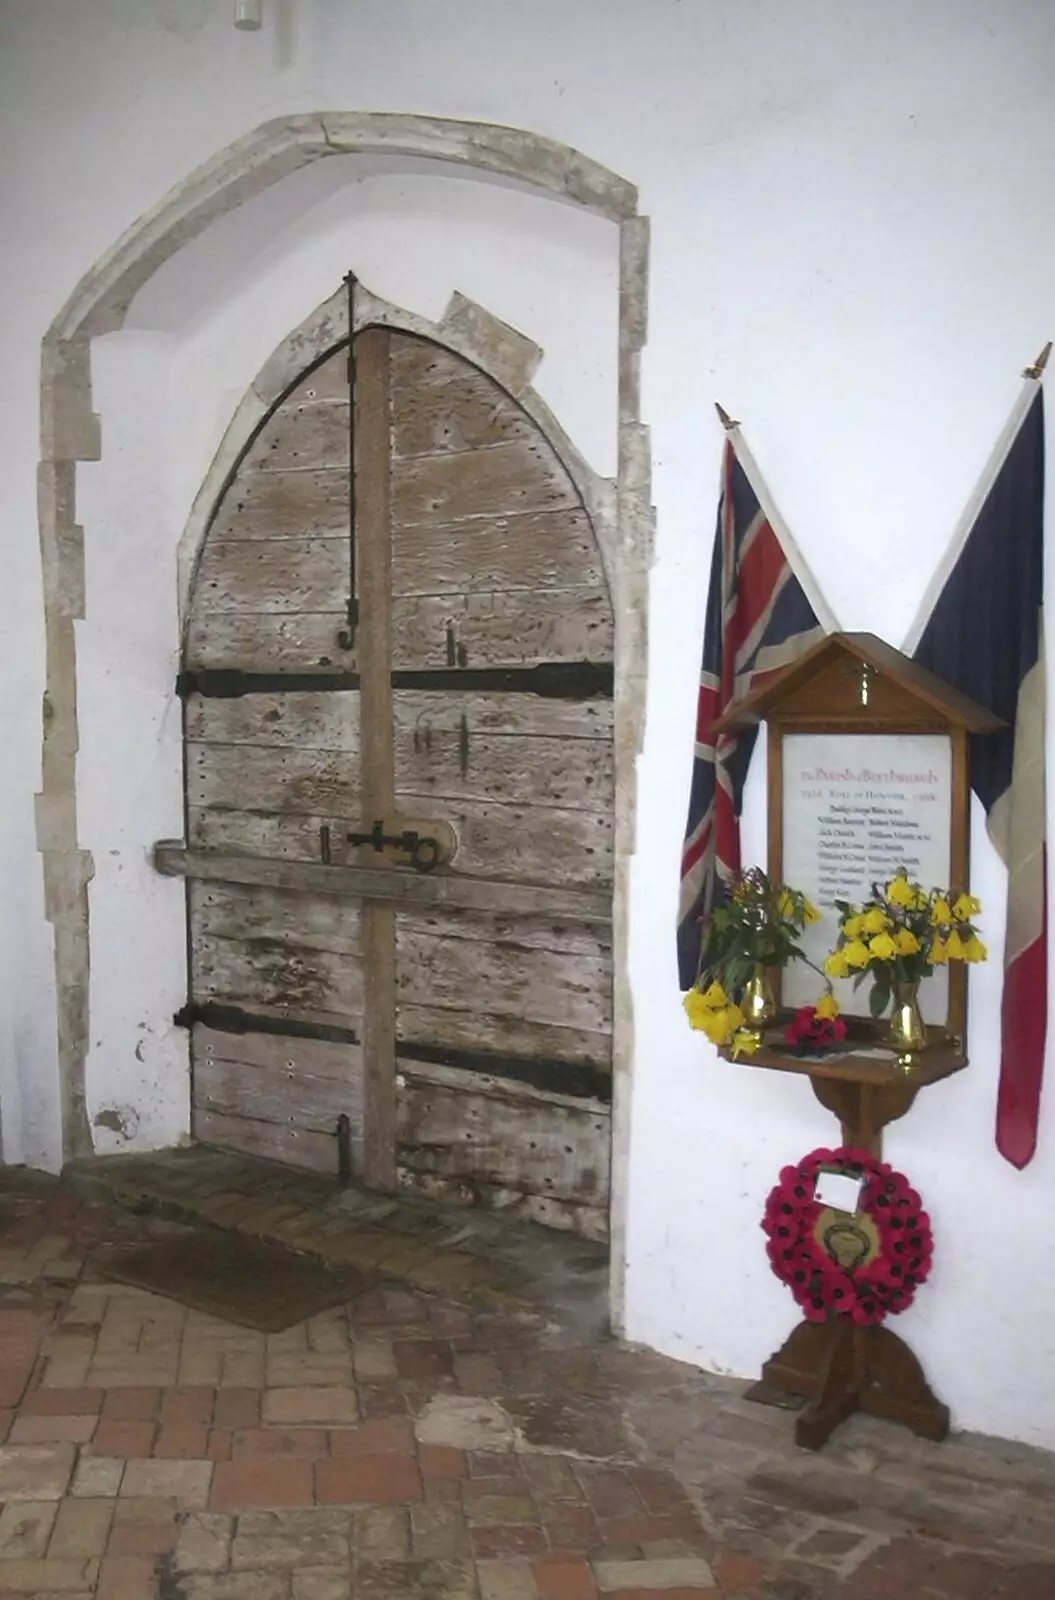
x=70 y=433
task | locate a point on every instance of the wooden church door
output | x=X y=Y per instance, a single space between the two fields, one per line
x=383 y=667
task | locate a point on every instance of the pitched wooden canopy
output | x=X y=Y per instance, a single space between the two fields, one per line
x=819 y=683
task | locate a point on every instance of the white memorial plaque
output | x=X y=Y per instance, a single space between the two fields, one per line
x=856 y=808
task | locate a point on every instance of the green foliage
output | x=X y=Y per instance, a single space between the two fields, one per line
x=758 y=926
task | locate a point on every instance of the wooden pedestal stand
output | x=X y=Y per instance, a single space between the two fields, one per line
x=855 y=687
x=838 y=1366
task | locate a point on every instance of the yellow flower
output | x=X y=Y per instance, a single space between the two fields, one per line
x=906 y=941
x=827 y=1006
x=875 y=921
x=785 y=904
x=720 y=1025
x=941 y=912
x=744 y=1041
x=696 y=1008
x=714 y=1027
x=810 y=911
x=955 y=948
x=975 y=950
x=703 y=1005
x=939 y=952
x=835 y=965
x=966 y=907
x=856 y=953
x=900 y=892
x=854 y=925
x=882 y=947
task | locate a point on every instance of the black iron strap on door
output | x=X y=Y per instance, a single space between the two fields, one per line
x=222 y=1018
x=230 y=683
x=346 y=637
x=549 y=680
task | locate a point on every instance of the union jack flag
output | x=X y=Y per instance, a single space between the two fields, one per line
x=758 y=620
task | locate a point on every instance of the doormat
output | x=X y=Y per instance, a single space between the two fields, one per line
x=227 y=1275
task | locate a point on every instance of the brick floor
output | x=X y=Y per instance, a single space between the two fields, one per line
x=407 y=1446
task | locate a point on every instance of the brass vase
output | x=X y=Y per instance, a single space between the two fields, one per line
x=907 y=1032
x=757 y=1004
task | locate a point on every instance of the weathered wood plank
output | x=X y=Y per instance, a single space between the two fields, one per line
x=230 y=777
x=282 y=505
x=426 y=712
x=418 y=362
x=513 y=628
x=548 y=549
x=278 y=575
x=439 y=1027
x=565 y=1216
x=304 y=875
x=289 y=1096
x=297 y=1147
x=297 y=980
x=302 y=436
x=318 y=1058
x=464 y=763
x=266 y=641
x=302 y=720
x=451 y=407
x=519 y=1093
x=562 y=989
x=525 y=843
x=327 y=381
x=517 y=628
x=248 y=911
x=505 y=927
x=497 y=481
x=531 y=1148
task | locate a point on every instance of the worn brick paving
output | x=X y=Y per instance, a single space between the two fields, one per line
x=411 y=1447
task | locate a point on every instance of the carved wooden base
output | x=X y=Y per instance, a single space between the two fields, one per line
x=842 y=1368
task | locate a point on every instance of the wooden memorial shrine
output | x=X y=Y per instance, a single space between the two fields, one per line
x=867 y=772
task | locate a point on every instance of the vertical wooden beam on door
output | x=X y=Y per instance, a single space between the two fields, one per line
x=373 y=534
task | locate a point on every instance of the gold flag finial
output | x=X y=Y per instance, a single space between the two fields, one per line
x=1037 y=369
x=724 y=418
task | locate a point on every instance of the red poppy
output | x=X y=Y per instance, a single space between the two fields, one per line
x=807 y=1030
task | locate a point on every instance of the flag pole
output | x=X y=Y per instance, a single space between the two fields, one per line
x=1032 y=377
x=821 y=609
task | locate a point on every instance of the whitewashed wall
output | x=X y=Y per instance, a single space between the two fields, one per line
x=852 y=242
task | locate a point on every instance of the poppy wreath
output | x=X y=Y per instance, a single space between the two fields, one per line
x=866 y=1266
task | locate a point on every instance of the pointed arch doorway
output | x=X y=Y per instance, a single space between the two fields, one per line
x=397 y=688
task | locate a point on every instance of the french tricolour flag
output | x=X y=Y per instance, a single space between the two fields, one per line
x=981 y=629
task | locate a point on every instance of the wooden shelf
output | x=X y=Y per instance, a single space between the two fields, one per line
x=863 y=1089
x=940 y=1059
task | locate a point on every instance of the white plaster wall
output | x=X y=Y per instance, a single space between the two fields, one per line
x=129 y=789
x=852 y=235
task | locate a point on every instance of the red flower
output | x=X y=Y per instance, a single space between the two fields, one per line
x=807 y=1028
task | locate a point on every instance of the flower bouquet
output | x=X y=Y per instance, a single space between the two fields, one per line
x=898 y=938
x=756 y=928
